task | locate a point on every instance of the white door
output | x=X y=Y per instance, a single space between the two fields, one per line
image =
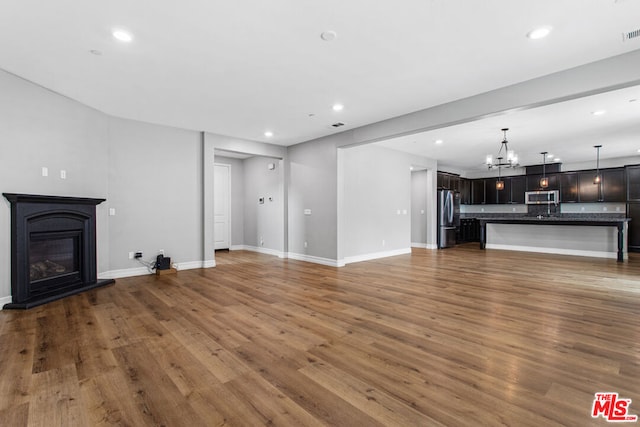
x=222 y=205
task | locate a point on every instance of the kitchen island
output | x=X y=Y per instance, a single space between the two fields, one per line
x=618 y=223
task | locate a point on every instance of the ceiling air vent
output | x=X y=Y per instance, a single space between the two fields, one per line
x=631 y=35
x=337 y=125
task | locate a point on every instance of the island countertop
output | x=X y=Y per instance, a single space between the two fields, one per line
x=592 y=220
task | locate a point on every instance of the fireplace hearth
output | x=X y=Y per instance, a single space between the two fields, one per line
x=53 y=248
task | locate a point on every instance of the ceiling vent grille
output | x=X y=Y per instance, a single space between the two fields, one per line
x=337 y=125
x=631 y=35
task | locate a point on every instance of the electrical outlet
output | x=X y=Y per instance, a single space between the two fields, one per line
x=161 y=252
x=130 y=255
x=306 y=244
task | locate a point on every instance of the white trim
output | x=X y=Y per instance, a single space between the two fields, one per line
x=558 y=251
x=266 y=251
x=432 y=246
x=194 y=264
x=5 y=300
x=315 y=259
x=142 y=271
x=376 y=255
x=419 y=245
x=237 y=248
x=125 y=272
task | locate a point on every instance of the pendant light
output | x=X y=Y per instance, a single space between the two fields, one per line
x=511 y=159
x=544 y=181
x=597 y=179
x=499 y=182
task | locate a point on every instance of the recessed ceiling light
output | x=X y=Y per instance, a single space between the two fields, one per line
x=549 y=156
x=557 y=159
x=268 y=134
x=122 y=35
x=439 y=141
x=598 y=112
x=539 y=33
x=338 y=107
x=328 y=36
x=410 y=168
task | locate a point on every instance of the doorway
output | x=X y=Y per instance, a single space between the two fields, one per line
x=222 y=205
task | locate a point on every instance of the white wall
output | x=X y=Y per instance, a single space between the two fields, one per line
x=40 y=128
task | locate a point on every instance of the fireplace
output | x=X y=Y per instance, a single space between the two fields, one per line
x=53 y=248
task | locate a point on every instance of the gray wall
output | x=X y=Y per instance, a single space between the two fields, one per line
x=376 y=206
x=312 y=183
x=377 y=201
x=419 y=207
x=264 y=223
x=40 y=128
x=155 y=185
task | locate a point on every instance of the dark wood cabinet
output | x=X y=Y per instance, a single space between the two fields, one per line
x=533 y=182
x=588 y=192
x=633 y=183
x=490 y=192
x=613 y=185
x=633 y=235
x=465 y=191
x=448 y=181
x=569 y=187
x=477 y=192
x=518 y=187
x=504 y=196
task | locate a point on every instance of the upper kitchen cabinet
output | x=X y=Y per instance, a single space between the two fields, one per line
x=613 y=185
x=533 y=182
x=633 y=183
x=569 y=187
x=465 y=191
x=610 y=189
x=477 y=192
x=448 y=181
x=588 y=191
x=518 y=187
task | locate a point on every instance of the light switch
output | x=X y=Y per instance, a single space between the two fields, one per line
x=307 y=211
x=112 y=211
x=421 y=211
x=404 y=211
x=45 y=171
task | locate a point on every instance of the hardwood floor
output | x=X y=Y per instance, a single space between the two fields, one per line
x=453 y=337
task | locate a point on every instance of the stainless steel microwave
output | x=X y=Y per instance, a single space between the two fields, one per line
x=546 y=197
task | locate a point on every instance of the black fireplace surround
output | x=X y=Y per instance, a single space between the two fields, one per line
x=53 y=248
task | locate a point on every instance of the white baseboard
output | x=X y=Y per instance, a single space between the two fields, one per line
x=557 y=251
x=424 y=245
x=4 y=300
x=141 y=271
x=315 y=259
x=376 y=255
x=125 y=272
x=266 y=251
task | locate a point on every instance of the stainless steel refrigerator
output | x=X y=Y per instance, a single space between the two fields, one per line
x=448 y=217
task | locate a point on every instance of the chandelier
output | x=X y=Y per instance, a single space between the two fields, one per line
x=506 y=158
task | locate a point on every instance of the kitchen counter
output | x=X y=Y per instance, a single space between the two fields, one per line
x=573 y=220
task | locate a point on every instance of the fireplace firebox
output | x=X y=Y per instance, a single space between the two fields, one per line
x=53 y=248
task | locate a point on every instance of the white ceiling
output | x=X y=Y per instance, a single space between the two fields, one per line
x=568 y=130
x=241 y=67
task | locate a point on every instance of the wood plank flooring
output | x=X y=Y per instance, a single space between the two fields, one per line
x=455 y=337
